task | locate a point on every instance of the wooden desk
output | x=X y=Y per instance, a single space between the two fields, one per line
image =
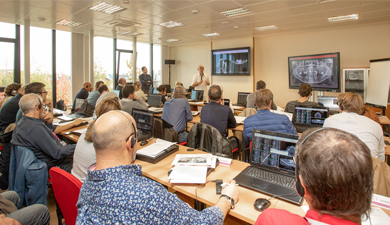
x=73 y=137
x=384 y=120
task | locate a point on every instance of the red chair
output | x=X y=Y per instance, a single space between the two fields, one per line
x=66 y=190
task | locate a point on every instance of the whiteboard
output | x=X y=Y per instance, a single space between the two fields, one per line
x=378 y=83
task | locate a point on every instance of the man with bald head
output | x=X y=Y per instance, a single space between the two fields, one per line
x=121 y=84
x=115 y=192
x=34 y=131
x=83 y=93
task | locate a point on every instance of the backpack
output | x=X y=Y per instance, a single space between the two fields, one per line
x=61 y=105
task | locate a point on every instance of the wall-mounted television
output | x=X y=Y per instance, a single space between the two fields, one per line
x=321 y=71
x=232 y=61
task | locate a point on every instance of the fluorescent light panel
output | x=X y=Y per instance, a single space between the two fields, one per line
x=343 y=18
x=171 y=24
x=210 y=35
x=68 y=23
x=236 y=12
x=172 y=40
x=130 y=33
x=106 y=8
x=270 y=27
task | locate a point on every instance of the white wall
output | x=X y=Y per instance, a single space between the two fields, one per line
x=356 y=45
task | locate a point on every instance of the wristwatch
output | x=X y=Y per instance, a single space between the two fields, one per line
x=231 y=200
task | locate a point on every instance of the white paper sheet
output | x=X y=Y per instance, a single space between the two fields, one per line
x=188 y=174
x=240 y=119
x=236 y=107
x=154 y=149
x=289 y=115
x=377 y=217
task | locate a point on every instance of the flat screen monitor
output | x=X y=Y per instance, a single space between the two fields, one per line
x=155 y=91
x=197 y=95
x=329 y=101
x=168 y=88
x=144 y=120
x=116 y=92
x=310 y=116
x=241 y=98
x=154 y=100
x=321 y=71
x=233 y=61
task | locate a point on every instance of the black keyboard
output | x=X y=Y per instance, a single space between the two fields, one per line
x=271 y=177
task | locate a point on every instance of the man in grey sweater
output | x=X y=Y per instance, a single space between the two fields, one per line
x=130 y=100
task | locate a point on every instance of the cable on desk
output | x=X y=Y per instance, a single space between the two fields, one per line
x=196 y=193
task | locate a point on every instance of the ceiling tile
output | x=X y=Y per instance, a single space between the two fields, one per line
x=247 y=19
x=152 y=9
x=305 y=9
x=341 y=12
x=375 y=7
x=332 y=5
x=174 y=5
x=250 y=2
x=309 y=16
x=369 y=2
x=35 y=2
x=219 y=6
x=203 y=19
x=276 y=14
x=172 y=16
x=289 y=3
x=78 y=3
x=375 y=20
x=281 y=20
x=49 y=15
x=60 y=7
x=315 y=22
x=288 y=25
x=374 y=14
x=263 y=7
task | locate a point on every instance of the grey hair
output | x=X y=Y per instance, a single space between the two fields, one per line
x=179 y=92
x=28 y=102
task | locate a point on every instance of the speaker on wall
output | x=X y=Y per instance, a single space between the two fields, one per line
x=169 y=61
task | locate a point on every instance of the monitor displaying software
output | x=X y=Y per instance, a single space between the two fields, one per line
x=241 y=99
x=197 y=95
x=273 y=149
x=116 y=92
x=311 y=116
x=329 y=101
x=144 y=120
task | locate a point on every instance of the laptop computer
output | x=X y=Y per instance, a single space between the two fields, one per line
x=306 y=117
x=154 y=102
x=116 y=92
x=241 y=99
x=145 y=121
x=272 y=169
x=168 y=88
x=330 y=102
x=196 y=96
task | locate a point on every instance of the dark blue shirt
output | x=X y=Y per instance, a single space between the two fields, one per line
x=177 y=111
x=218 y=116
x=121 y=195
x=144 y=81
x=267 y=120
x=8 y=112
x=83 y=94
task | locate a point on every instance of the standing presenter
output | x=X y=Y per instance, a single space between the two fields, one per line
x=200 y=81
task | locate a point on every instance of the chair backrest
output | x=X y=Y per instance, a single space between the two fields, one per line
x=66 y=188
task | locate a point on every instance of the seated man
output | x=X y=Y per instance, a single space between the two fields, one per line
x=32 y=132
x=250 y=99
x=177 y=111
x=130 y=100
x=305 y=91
x=264 y=119
x=121 y=84
x=83 y=93
x=94 y=95
x=37 y=214
x=351 y=120
x=215 y=114
x=337 y=188
x=121 y=195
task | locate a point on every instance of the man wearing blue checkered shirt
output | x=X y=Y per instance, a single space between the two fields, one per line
x=115 y=192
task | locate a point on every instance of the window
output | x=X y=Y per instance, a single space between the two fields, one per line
x=63 y=66
x=143 y=57
x=6 y=63
x=157 y=67
x=7 y=30
x=41 y=57
x=103 y=61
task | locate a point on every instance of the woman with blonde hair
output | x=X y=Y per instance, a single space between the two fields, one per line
x=84 y=154
x=138 y=91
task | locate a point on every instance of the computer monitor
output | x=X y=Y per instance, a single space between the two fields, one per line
x=144 y=120
x=197 y=95
x=168 y=88
x=273 y=149
x=155 y=91
x=154 y=100
x=329 y=101
x=241 y=98
x=116 y=92
x=310 y=116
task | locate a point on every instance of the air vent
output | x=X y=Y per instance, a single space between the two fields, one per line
x=121 y=23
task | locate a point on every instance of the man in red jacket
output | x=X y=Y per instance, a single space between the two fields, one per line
x=335 y=174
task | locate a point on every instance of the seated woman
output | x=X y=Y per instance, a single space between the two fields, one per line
x=84 y=154
x=162 y=90
x=10 y=91
x=138 y=91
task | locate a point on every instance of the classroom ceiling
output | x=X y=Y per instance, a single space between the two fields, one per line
x=287 y=15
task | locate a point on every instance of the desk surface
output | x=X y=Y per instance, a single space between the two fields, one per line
x=384 y=120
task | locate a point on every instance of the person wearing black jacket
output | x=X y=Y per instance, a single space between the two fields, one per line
x=34 y=131
x=8 y=112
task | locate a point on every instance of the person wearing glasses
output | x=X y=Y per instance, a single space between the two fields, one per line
x=35 y=133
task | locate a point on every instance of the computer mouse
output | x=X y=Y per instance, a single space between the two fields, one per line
x=143 y=142
x=261 y=204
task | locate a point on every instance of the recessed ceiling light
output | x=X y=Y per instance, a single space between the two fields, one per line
x=210 y=35
x=106 y=8
x=130 y=33
x=343 y=18
x=172 y=40
x=68 y=23
x=270 y=27
x=236 y=12
x=225 y=22
x=171 y=24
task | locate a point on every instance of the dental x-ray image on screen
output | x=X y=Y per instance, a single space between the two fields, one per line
x=231 y=61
